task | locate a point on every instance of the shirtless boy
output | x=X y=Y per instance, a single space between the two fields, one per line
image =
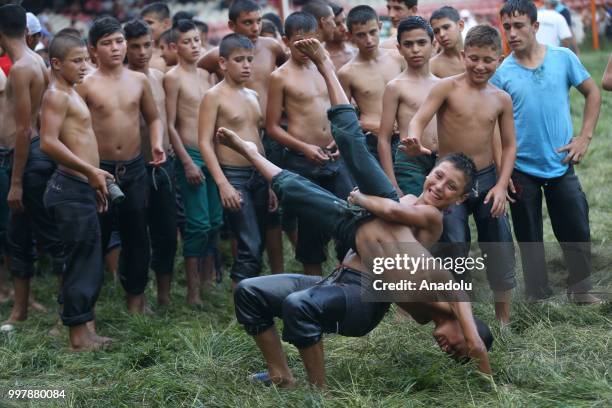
x=157 y=16
x=398 y=10
x=323 y=13
x=364 y=78
x=185 y=86
x=6 y=151
x=310 y=307
x=339 y=48
x=31 y=169
x=447 y=26
x=245 y=18
x=167 y=52
x=244 y=192
x=402 y=98
x=116 y=97
x=468 y=109
x=77 y=188
x=161 y=202
x=298 y=89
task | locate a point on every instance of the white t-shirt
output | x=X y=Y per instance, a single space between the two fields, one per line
x=553 y=28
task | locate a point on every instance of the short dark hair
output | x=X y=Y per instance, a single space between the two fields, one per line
x=445 y=12
x=360 y=15
x=102 y=27
x=69 y=31
x=268 y=27
x=202 y=26
x=135 y=29
x=407 y=3
x=336 y=8
x=484 y=332
x=520 y=7
x=13 y=21
x=232 y=42
x=169 y=36
x=182 y=15
x=483 y=35
x=273 y=17
x=182 y=26
x=62 y=44
x=242 y=6
x=318 y=8
x=300 y=21
x=466 y=165
x=159 y=8
x=414 y=23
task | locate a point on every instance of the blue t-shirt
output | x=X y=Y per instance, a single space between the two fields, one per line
x=541 y=105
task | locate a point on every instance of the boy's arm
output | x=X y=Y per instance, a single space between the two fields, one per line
x=606 y=81
x=154 y=123
x=577 y=148
x=273 y=120
x=210 y=62
x=193 y=174
x=411 y=141
x=53 y=114
x=344 y=76
x=281 y=57
x=508 y=154
x=20 y=80
x=209 y=109
x=389 y=113
x=421 y=216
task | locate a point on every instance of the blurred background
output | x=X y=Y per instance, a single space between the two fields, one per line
x=57 y=14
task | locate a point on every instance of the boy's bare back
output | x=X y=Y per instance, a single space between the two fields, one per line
x=115 y=104
x=6 y=135
x=191 y=87
x=305 y=100
x=237 y=110
x=365 y=82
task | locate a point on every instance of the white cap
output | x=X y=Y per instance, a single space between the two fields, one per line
x=465 y=13
x=33 y=24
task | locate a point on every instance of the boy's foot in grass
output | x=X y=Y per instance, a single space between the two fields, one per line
x=81 y=339
x=37 y=306
x=136 y=304
x=233 y=141
x=56 y=330
x=103 y=340
x=584 y=299
x=265 y=379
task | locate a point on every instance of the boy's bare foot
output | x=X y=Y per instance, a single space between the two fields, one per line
x=17 y=315
x=313 y=49
x=81 y=339
x=193 y=297
x=233 y=141
x=135 y=304
x=584 y=299
x=56 y=330
x=103 y=340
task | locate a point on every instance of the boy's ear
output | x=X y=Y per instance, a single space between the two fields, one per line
x=222 y=63
x=285 y=41
x=55 y=64
x=172 y=46
x=461 y=24
x=463 y=55
x=231 y=25
x=167 y=23
x=414 y=10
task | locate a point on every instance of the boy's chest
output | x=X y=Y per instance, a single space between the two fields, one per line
x=306 y=89
x=108 y=98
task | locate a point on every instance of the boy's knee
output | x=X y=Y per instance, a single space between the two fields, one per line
x=251 y=307
x=300 y=324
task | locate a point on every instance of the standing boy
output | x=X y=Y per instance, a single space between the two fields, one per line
x=403 y=96
x=468 y=109
x=538 y=79
x=244 y=192
x=116 y=97
x=447 y=27
x=185 y=86
x=339 y=49
x=398 y=10
x=77 y=190
x=161 y=211
x=31 y=169
x=298 y=89
x=365 y=77
x=157 y=16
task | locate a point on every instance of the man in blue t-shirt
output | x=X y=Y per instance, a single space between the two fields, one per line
x=538 y=79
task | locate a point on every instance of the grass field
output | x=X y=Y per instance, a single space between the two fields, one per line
x=554 y=354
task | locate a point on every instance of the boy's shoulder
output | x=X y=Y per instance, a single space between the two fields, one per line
x=280 y=73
